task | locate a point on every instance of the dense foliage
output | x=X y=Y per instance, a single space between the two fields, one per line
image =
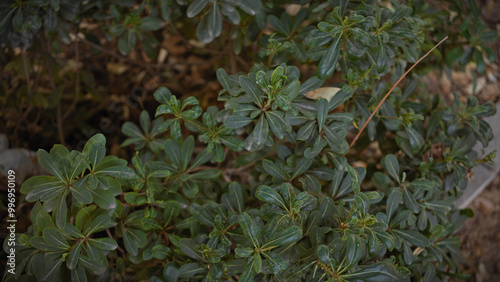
x=266 y=187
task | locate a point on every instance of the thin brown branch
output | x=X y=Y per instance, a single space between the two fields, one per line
x=26 y=71
x=77 y=82
x=119 y=248
x=390 y=91
x=60 y=125
x=111 y=53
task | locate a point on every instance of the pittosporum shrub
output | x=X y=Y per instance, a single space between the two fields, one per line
x=268 y=188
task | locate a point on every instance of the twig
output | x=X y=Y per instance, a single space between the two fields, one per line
x=60 y=124
x=390 y=91
x=119 y=248
x=26 y=72
x=59 y=116
x=77 y=82
x=111 y=53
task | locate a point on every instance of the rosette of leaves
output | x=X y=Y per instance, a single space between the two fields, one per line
x=171 y=105
x=185 y=174
x=461 y=117
x=148 y=180
x=49 y=252
x=146 y=138
x=464 y=22
x=89 y=176
x=91 y=179
x=260 y=99
x=419 y=215
x=368 y=37
x=130 y=27
x=288 y=37
x=216 y=134
x=318 y=127
x=214 y=11
x=23 y=20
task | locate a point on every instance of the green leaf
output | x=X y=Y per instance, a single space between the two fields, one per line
x=323 y=253
x=100 y=223
x=161 y=252
x=391 y=165
x=413 y=237
x=322 y=112
x=188 y=247
x=41 y=190
x=285 y=237
x=123 y=172
x=248 y=274
x=133 y=240
x=95 y=265
x=306 y=131
x=74 y=256
x=204 y=32
x=162 y=95
x=232 y=142
x=301 y=167
x=80 y=194
x=17 y=20
x=173 y=152
x=261 y=131
x=196 y=7
x=50 y=164
x=416 y=140
x=201 y=158
x=273 y=170
x=327 y=65
x=170 y=272
x=410 y=201
x=235 y=122
x=103 y=198
x=257 y=262
x=222 y=76
x=380 y=271
x=189 y=270
x=206 y=174
x=393 y=202
x=276 y=124
x=277 y=24
x=171 y=210
x=236 y=194
x=55 y=238
x=355 y=249
x=190 y=189
x=151 y=23
x=362 y=202
x=214 y=21
x=201 y=214
x=243 y=252
x=61 y=210
x=107 y=244
x=251 y=89
x=275 y=262
x=251 y=229
x=250 y=7
x=40 y=244
x=186 y=152
x=34 y=182
x=269 y=195
x=47 y=267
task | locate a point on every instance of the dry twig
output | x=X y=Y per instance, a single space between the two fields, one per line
x=390 y=91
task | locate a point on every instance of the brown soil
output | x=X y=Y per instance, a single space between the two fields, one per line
x=480 y=236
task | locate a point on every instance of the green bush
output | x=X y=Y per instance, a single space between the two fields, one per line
x=266 y=188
